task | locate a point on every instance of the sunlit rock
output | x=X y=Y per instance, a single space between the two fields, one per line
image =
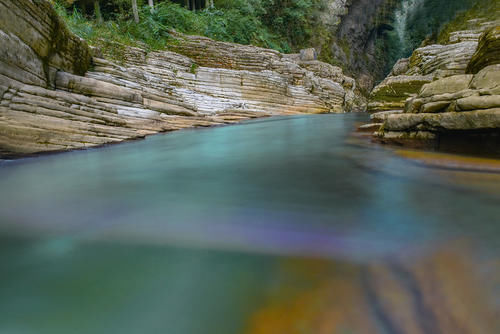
x=50 y=100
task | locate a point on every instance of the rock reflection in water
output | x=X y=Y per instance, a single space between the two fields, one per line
x=447 y=291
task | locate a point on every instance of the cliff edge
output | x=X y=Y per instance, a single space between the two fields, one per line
x=57 y=93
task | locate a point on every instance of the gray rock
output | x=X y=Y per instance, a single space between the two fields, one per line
x=446 y=85
x=380 y=117
x=401 y=67
x=487 y=80
x=308 y=54
x=479 y=102
x=472 y=120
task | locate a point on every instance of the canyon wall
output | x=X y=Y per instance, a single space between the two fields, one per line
x=366 y=37
x=57 y=93
x=444 y=92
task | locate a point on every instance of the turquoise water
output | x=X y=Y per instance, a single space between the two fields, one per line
x=185 y=232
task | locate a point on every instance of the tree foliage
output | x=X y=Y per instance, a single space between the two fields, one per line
x=283 y=25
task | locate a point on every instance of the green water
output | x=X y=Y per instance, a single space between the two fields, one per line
x=186 y=232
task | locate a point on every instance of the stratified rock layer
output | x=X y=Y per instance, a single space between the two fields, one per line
x=461 y=103
x=463 y=51
x=434 y=98
x=49 y=100
x=488 y=52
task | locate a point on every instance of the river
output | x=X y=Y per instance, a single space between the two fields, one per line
x=276 y=225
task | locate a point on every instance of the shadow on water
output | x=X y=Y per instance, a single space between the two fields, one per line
x=281 y=225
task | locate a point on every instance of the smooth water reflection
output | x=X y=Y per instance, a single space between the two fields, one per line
x=189 y=232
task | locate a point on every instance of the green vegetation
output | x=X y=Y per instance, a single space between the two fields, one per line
x=282 y=25
x=429 y=18
x=425 y=24
x=193 y=69
x=485 y=9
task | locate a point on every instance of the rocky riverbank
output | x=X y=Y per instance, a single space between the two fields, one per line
x=444 y=93
x=57 y=93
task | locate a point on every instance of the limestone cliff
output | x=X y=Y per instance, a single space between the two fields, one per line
x=55 y=96
x=444 y=91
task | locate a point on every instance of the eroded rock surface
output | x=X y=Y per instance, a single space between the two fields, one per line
x=435 y=97
x=461 y=103
x=432 y=62
x=50 y=100
x=488 y=51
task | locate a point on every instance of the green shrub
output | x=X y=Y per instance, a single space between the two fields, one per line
x=282 y=25
x=486 y=9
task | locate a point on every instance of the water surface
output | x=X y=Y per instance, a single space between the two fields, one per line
x=224 y=230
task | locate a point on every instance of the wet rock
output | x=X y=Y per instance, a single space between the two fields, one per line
x=370 y=127
x=402 y=137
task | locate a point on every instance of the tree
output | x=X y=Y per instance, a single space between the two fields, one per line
x=135 y=11
x=152 y=5
x=97 y=11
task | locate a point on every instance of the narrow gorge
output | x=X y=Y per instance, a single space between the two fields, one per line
x=277 y=167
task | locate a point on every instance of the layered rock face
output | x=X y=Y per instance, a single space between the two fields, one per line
x=442 y=90
x=50 y=100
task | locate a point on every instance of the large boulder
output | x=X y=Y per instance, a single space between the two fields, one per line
x=446 y=85
x=436 y=122
x=487 y=80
